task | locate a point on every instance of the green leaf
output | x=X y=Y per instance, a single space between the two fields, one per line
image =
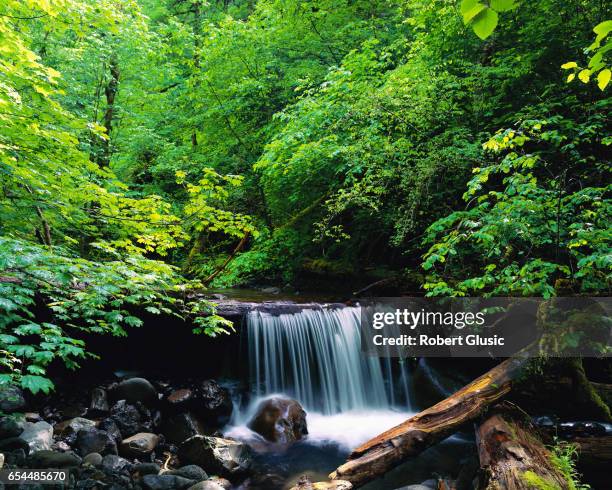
x=584 y=75
x=602 y=29
x=473 y=12
x=569 y=65
x=603 y=78
x=467 y=5
x=485 y=23
x=502 y=5
x=36 y=383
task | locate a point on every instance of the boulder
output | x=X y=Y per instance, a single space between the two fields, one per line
x=93 y=459
x=38 y=436
x=222 y=482
x=110 y=426
x=11 y=399
x=10 y=427
x=111 y=463
x=98 y=405
x=135 y=390
x=214 y=404
x=131 y=418
x=68 y=429
x=191 y=472
x=138 y=445
x=221 y=456
x=180 y=427
x=280 y=420
x=166 y=482
x=92 y=440
x=53 y=459
x=305 y=483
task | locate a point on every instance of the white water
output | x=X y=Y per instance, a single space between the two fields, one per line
x=315 y=357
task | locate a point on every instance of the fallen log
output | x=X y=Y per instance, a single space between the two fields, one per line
x=391 y=448
x=511 y=454
x=594 y=451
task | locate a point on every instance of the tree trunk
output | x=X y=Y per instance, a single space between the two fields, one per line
x=386 y=451
x=110 y=92
x=512 y=457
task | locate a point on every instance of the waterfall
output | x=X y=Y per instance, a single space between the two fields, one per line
x=315 y=356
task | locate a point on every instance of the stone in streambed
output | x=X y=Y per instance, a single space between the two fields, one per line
x=10 y=427
x=180 y=427
x=137 y=390
x=207 y=485
x=92 y=440
x=98 y=406
x=146 y=469
x=179 y=399
x=305 y=483
x=53 y=459
x=280 y=420
x=214 y=404
x=221 y=456
x=131 y=418
x=138 y=445
x=166 y=482
x=11 y=399
x=68 y=429
x=111 y=463
x=93 y=459
x=38 y=436
x=191 y=472
x=110 y=426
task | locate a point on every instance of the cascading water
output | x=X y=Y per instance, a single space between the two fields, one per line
x=315 y=357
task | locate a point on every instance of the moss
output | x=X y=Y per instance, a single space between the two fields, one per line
x=537 y=482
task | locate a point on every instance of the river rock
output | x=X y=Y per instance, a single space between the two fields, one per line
x=131 y=418
x=138 y=445
x=136 y=390
x=281 y=420
x=52 y=459
x=92 y=440
x=93 y=459
x=11 y=399
x=1 y=460
x=214 y=404
x=222 y=482
x=305 y=483
x=10 y=427
x=179 y=399
x=166 y=482
x=110 y=426
x=68 y=429
x=180 y=427
x=221 y=456
x=191 y=472
x=111 y=463
x=146 y=469
x=98 y=406
x=39 y=435
x=207 y=485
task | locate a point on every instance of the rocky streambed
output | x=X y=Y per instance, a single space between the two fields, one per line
x=141 y=434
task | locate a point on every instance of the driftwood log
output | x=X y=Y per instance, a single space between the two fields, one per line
x=511 y=454
x=386 y=451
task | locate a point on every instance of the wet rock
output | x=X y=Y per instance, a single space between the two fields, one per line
x=221 y=456
x=110 y=426
x=16 y=457
x=93 y=459
x=305 y=483
x=166 y=482
x=222 y=482
x=180 y=427
x=179 y=399
x=32 y=416
x=92 y=440
x=191 y=472
x=138 y=445
x=52 y=459
x=68 y=429
x=10 y=427
x=98 y=405
x=131 y=419
x=137 y=390
x=281 y=420
x=11 y=399
x=39 y=435
x=61 y=446
x=111 y=463
x=146 y=469
x=207 y=485
x=214 y=404
x=14 y=444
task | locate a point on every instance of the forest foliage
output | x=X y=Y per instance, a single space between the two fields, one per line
x=462 y=145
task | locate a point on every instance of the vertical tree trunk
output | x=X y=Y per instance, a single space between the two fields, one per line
x=110 y=92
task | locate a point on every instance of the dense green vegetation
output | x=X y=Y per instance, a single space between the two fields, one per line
x=145 y=142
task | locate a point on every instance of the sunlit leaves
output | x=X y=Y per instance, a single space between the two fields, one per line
x=598 y=62
x=484 y=17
